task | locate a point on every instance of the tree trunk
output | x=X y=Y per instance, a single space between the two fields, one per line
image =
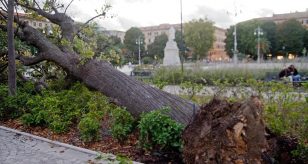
x=11 y=49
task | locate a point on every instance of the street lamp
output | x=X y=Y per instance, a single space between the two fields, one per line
x=235 y=46
x=138 y=42
x=258 y=32
x=235 y=51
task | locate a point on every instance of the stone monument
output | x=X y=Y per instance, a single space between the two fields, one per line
x=171 y=52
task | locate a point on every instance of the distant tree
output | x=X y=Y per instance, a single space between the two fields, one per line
x=199 y=35
x=109 y=48
x=131 y=36
x=246 y=40
x=269 y=29
x=305 y=40
x=158 y=46
x=290 y=35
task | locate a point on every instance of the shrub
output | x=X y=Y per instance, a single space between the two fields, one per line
x=89 y=128
x=121 y=124
x=28 y=119
x=157 y=130
x=59 y=125
x=13 y=106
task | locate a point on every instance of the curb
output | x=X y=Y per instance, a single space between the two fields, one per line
x=90 y=152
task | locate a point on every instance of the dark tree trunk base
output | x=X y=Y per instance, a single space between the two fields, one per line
x=224 y=132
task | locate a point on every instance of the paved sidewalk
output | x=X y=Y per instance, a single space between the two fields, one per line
x=22 y=148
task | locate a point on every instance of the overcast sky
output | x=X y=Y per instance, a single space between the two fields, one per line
x=138 y=13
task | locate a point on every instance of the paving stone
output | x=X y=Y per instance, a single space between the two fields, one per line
x=22 y=148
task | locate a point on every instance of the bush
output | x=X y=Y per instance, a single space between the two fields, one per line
x=58 y=110
x=121 y=123
x=157 y=130
x=89 y=128
x=28 y=119
x=13 y=106
x=147 y=60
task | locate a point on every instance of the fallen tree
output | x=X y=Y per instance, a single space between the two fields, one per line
x=136 y=96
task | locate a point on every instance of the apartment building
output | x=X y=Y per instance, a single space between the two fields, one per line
x=37 y=22
x=217 y=53
x=301 y=17
x=150 y=32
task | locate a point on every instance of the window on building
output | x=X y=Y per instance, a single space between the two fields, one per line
x=306 y=21
x=149 y=40
x=34 y=24
x=40 y=24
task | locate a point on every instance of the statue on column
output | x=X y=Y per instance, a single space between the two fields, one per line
x=171 y=51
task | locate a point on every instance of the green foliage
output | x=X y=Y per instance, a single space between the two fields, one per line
x=58 y=110
x=231 y=77
x=199 y=35
x=89 y=128
x=157 y=47
x=147 y=60
x=157 y=130
x=301 y=152
x=85 y=49
x=121 y=124
x=290 y=34
x=190 y=88
x=14 y=106
x=247 y=41
x=123 y=159
x=269 y=29
x=131 y=36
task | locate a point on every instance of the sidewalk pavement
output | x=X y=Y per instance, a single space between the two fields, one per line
x=23 y=148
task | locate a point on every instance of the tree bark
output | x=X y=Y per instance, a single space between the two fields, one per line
x=11 y=49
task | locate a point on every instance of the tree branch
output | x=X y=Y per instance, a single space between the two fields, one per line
x=4 y=3
x=37 y=5
x=27 y=61
x=68 y=6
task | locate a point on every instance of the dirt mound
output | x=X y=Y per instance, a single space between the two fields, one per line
x=224 y=132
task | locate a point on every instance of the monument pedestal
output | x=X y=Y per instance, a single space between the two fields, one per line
x=171 y=56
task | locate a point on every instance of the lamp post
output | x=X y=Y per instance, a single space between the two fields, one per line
x=138 y=42
x=235 y=51
x=235 y=46
x=258 y=32
x=182 y=48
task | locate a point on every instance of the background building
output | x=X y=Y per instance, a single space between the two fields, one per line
x=37 y=22
x=217 y=52
x=150 y=32
x=302 y=17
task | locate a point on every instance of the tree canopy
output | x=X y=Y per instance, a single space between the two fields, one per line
x=247 y=40
x=157 y=47
x=199 y=35
x=290 y=35
x=131 y=38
